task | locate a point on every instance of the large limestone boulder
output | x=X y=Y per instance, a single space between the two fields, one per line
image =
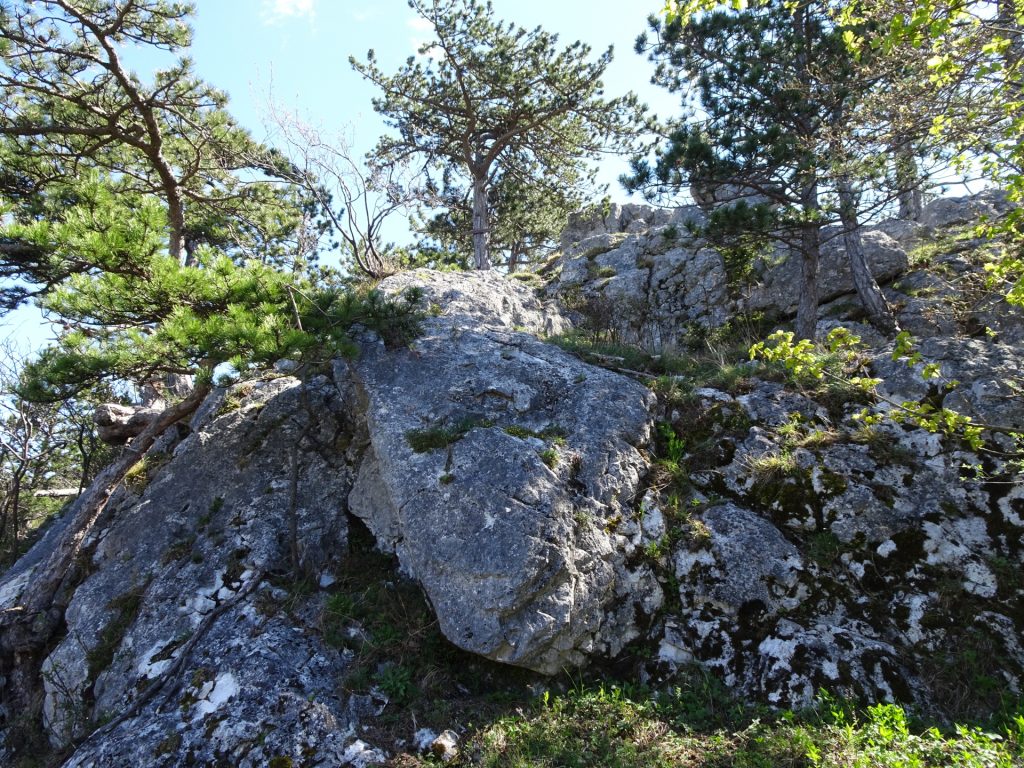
x=495 y=466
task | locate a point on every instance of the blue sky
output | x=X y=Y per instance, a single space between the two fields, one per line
x=298 y=50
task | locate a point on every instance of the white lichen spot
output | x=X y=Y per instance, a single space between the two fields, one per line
x=1009 y=504
x=686 y=561
x=359 y=754
x=979 y=580
x=214 y=694
x=886 y=548
x=914 y=632
x=147 y=668
x=830 y=669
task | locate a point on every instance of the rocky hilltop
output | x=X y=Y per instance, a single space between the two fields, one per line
x=555 y=513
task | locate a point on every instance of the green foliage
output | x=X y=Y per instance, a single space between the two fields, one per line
x=807 y=365
x=779 y=135
x=697 y=723
x=497 y=109
x=442 y=435
x=136 y=313
x=72 y=103
x=675 y=446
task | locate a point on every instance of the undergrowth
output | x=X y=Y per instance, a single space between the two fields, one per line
x=696 y=723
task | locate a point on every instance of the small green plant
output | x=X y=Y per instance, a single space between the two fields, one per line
x=125 y=608
x=178 y=550
x=168 y=746
x=675 y=446
x=769 y=466
x=396 y=682
x=139 y=476
x=553 y=433
x=434 y=438
x=530 y=278
x=824 y=548
x=549 y=456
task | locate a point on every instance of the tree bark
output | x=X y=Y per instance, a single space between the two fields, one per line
x=879 y=312
x=481 y=231
x=908 y=180
x=27 y=629
x=810 y=248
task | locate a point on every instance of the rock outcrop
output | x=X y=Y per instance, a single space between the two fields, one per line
x=485 y=458
x=644 y=276
x=777 y=541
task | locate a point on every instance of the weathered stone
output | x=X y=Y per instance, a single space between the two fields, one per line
x=186 y=541
x=721 y=574
x=986 y=372
x=958 y=211
x=506 y=532
x=643 y=275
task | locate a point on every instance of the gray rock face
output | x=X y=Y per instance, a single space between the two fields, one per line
x=833 y=564
x=501 y=514
x=180 y=567
x=970 y=209
x=493 y=464
x=775 y=292
x=987 y=372
x=642 y=276
x=511 y=481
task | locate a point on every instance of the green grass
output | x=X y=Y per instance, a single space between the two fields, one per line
x=398 y=647
x=930 y=248
x=695 y=725
x=442 y=435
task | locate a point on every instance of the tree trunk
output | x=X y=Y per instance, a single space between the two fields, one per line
x=481 y=231
x=810 y=247
x=908 y=179
x=810 y=229
x=176 y=226
x=879 y=313
x=27 y=629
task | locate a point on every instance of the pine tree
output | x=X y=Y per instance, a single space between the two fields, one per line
x=769 y=133
x=528 y=213
x=487 y=98
x=122 y=206
x=67 y=98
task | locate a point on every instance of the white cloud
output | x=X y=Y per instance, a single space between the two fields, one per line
x=277 y=11
x=419 y=24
